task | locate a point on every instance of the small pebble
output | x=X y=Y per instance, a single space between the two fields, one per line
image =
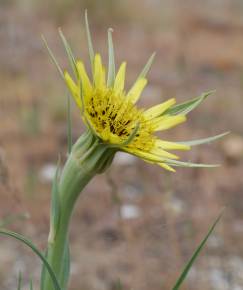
x=47 y=173
x=129 y=211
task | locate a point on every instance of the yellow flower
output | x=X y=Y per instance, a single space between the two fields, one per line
x=113 y=116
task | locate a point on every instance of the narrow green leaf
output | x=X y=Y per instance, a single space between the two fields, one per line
x=118 y=285
x=195 y=255
x=53 y=57
x=69 y=125
x=19 y=281
x=31 y=284
x=54 y=217
x=204 y=140
x=69 y=52
x=36 y=251
x=43 y=274
x=177 y=163
x=111 y=65
x=89 y=39
x=147 y=67
x=55 y=205
x=186 y=107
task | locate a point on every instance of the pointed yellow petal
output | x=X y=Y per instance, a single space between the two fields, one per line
x=120 y=79
x=167 y=122
x=159 y=109
x=74 y=89
x=135 y=92
x=150 y=158
x=86 y=85
x=99 y=74
x=166 y=145
x=144 y=155
x=167 y=167
x=162 y=153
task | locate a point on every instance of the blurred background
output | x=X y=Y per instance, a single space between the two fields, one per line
x=135 y=226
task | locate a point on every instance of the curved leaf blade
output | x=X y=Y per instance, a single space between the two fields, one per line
x=189 y=164
x=111 y=61
x=195 y=255
x=89 y=39
x=69 y=52
x=54 y=60
x=147 y=67
x=19 y=281
x=31 y=284
x=69 y=125
x=36 y=251
x=186 y=107
x=204 y=140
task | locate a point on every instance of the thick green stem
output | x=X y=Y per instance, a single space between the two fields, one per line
x=87 y=158
x=57 y=247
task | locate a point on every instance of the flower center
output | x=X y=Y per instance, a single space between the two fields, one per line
x=114 y=118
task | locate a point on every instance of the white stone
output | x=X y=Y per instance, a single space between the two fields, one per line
x=129 y=211
x=47 y=172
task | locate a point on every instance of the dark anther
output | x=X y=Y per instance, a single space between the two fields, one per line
x=123 y=132
x=113 y=117
x=112 y=129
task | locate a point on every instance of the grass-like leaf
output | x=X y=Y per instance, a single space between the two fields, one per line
x=55 y=205
x=204 y=140
x=177 y=163
x=43 y=274
x=54 y=60
x=195 y=255
x=69 y=52
x=36 y=251
x=118 y=285
x=186 y=107
x=89 y=39
x=19 y=281
x=31 y=284
x=69 y=125
x=147 y=67
x=111 y=64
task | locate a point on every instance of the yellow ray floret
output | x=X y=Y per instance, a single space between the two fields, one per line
x=135 y=92
x=167 y=122
x=120 y=79
x=74 y=89
x=99 y=72
x=158 y=110
x=166 y=145
x=86 y=85
x=167 y=167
